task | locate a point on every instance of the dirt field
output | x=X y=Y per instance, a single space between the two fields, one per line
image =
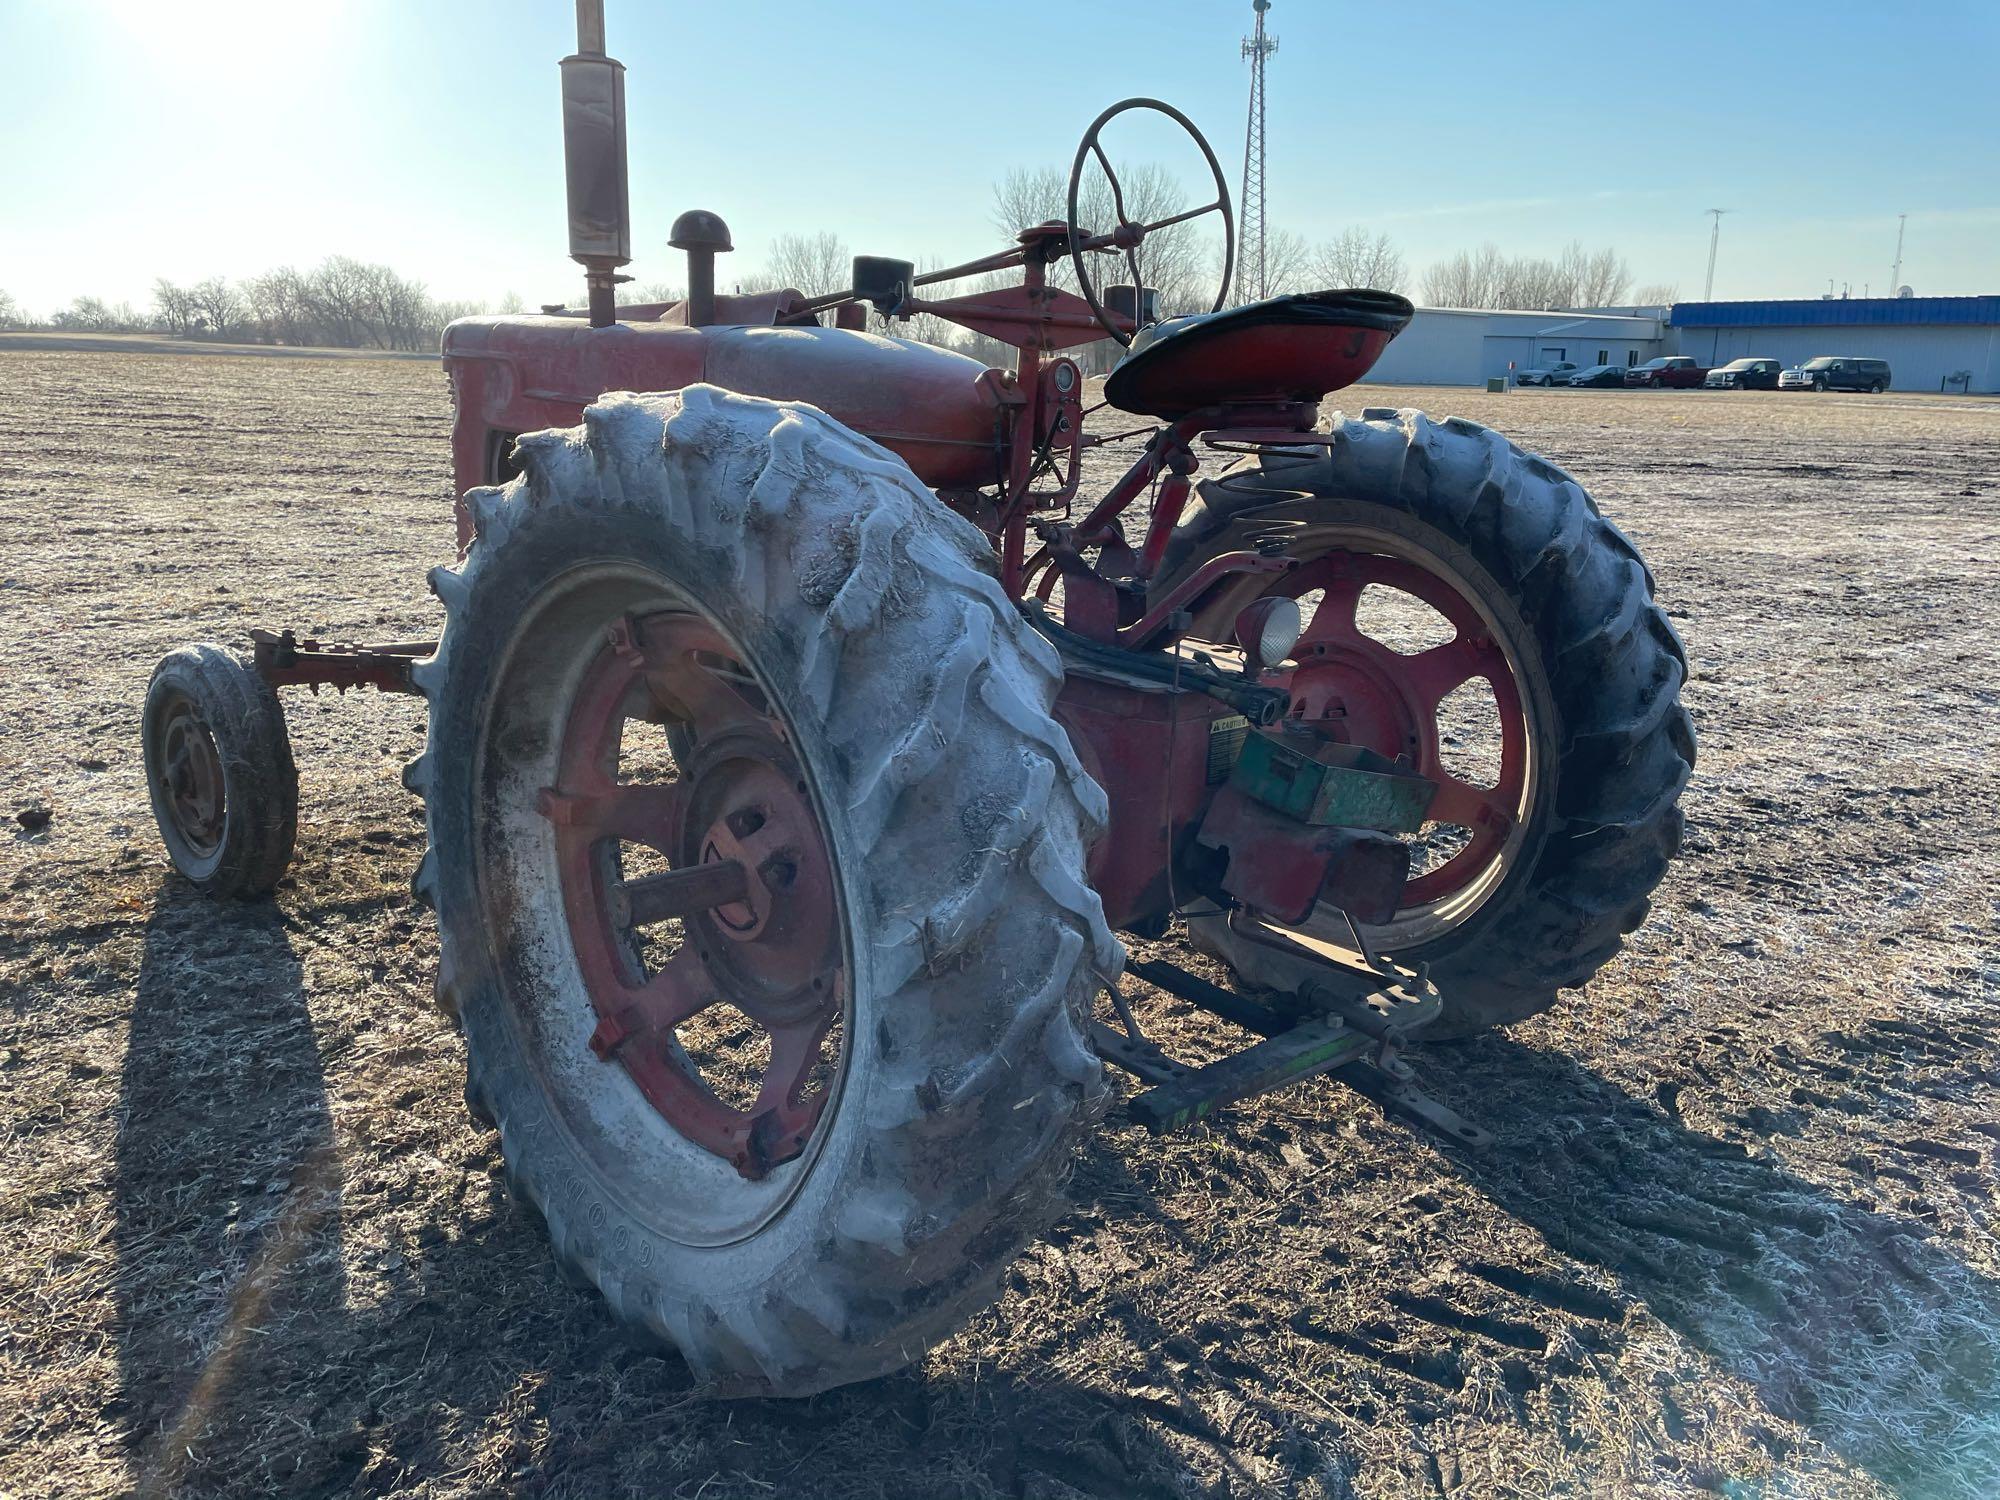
x=1737 y=1235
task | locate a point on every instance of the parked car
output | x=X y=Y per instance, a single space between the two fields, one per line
x=1553 y=374
x=1677 y=370
x=1837 y=372
x=1598 y=375
x=1744 y=375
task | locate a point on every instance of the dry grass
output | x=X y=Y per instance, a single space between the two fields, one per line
x=1737 y=1234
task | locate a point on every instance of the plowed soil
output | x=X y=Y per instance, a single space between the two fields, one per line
x=1737 y=1233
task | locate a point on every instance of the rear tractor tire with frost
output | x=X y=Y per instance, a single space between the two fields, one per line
x=758 y=865
x=1553 y=625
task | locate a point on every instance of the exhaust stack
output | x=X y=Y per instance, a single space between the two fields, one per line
x=600 y=216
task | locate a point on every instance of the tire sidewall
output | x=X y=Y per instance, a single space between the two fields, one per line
x=552 y=1164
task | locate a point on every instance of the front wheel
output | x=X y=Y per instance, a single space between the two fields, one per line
x=1469 y=611
x=219 y=772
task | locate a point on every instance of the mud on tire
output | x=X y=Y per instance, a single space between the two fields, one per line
x=955 y=813
x=1603 y=657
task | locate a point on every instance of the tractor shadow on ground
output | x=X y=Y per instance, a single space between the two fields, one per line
x=1863 y=1327
x=253 y=1359
x=500 y=1366
x=227 y=1189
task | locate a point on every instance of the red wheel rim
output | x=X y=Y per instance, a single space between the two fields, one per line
x=1359 y=690
x=191 y=775
x=747 y=877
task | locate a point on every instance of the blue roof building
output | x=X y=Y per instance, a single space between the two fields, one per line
x=1928 y=341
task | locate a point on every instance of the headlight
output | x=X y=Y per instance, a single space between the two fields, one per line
x=1267 y=631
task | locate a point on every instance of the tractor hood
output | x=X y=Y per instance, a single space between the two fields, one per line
x=930 y=406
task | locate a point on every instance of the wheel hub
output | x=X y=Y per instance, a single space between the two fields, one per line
x=743 y=918
x=192 y=769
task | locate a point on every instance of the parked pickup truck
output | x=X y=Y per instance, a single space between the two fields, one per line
x=1676 y=370
x=1748 y=374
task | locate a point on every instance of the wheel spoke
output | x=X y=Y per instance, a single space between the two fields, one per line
x=1434 y=673
x=691 y=691
x=640 y=814
x=679 y=991
x=794 y=1050
x=681 y=893
x=1117 y=193
x=1333 y=620
x=1464 y=805
x=1183 y=217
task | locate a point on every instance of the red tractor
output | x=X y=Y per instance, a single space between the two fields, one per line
x=795 y=749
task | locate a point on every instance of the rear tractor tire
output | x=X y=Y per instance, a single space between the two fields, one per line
x=219 y=772
x=758 y=866
x=1543 y=848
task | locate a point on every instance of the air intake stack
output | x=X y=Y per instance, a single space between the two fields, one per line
x=600 y=216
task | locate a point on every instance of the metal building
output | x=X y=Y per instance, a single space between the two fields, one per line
x=1926 y=340
x=1466 y=346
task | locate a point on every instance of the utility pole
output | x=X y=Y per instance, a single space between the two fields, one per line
x=1714 y=235
x=1251 y=264
x=1896 y=271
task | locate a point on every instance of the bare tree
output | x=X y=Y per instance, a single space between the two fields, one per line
x=1605 y=280
x=815 y=264
x=1028 y=196
x=1355 y=258
x=1487 y=279
x=1467 y=279
x=216 y=302
x=95 y=315
x=1657 y=294
x=174 y=306
x=11 y=315
x=653 y=291
x=1288 y=262
x=335 y=302
x=279 y=302
x=1174 y=261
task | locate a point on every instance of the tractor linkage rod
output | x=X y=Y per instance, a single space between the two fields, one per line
x=1330 y=1029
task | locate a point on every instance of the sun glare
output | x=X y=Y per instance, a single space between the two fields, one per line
x=241 y=42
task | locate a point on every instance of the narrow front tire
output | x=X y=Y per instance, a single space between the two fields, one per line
x=219 y=771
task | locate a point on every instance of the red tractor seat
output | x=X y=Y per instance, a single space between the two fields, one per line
x=1292 y=348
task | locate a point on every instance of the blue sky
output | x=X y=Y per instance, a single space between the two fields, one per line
x=144 y=137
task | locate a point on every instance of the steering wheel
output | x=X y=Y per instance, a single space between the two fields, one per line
x=1127 y=235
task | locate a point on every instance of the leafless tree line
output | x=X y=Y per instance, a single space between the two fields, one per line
x=84 y=315
x=343 y=303
x=1486 y=278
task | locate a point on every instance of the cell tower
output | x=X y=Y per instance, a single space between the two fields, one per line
x=1250 y=264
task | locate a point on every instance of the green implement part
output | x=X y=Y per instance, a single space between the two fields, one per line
x=1320 y=782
